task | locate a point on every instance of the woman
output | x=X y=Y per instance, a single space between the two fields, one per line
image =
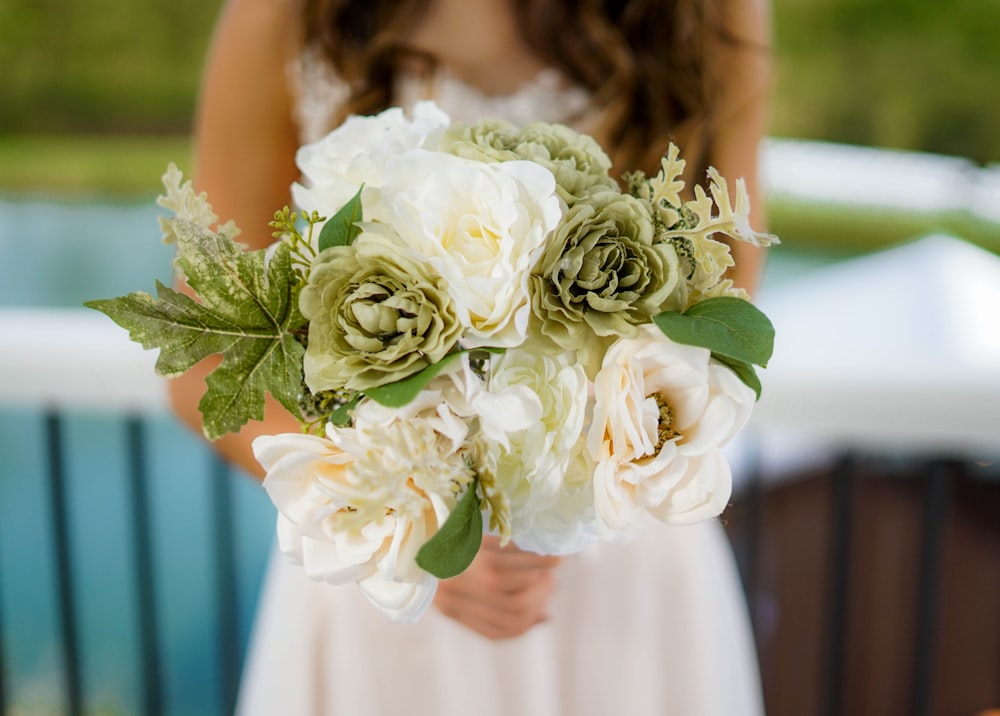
x=653 y=627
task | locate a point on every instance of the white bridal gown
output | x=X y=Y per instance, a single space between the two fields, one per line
x=658 y=626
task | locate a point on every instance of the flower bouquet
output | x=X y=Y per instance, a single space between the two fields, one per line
x=479 y=330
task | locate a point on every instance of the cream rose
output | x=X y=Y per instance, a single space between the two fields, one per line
x=662 y=413
x=481 y=226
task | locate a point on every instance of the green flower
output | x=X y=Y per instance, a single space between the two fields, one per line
x=488 y=140
x=576 y=160
x=376 y=315
x=601 y=271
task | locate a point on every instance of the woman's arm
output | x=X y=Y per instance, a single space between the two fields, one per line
x=245 y=136
x=245 y=143
x=740 y=118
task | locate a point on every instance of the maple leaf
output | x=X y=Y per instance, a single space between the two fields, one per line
x=248 y=312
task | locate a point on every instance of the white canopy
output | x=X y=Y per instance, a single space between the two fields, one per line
x=896 y=350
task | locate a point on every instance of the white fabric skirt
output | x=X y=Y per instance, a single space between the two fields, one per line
x=658 y=626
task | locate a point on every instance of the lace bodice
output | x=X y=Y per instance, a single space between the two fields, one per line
x=548 y=97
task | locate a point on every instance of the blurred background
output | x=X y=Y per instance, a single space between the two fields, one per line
x=867 y=532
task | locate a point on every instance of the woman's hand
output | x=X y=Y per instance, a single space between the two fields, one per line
x=503 y=593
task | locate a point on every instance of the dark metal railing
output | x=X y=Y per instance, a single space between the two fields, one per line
x=937 y=479
x=230 y=657
x=64 y=565
x=145 y=587
x=936 y=508
x=839 y=581
x=871 y=557
x=229 y=653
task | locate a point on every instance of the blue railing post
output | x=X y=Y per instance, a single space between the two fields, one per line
x=225 y=570
x=152 y=691
x=63 y=561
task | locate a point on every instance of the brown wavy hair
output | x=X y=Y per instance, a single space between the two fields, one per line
x=644 y=62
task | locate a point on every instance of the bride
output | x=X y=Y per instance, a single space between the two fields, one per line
x=658 y=626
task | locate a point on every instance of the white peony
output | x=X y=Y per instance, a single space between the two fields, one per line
x=359 y=504
x=550 y=507
x=482 y=226
x=569 y=524
x=355 y=153
x=662 y=413
x=457 y=397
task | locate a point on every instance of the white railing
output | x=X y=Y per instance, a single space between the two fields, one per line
x=74 y=358
x=899 y=348
x=895 y=350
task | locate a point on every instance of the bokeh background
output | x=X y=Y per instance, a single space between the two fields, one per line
x=97 y=97
x=889 y=73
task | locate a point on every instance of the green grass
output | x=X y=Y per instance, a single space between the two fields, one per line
x=84 y=167
x=814 y=225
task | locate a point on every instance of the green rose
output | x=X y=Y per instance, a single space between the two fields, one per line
x=376 y=316
x=577 y=161
x=602 y=271
x=488 y=140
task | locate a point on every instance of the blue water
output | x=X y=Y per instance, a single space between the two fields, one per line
x=59 y=255
x=63 y=254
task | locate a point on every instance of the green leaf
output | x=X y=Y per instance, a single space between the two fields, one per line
x=744 y=371
x=398 y=394
x=456 y=543
x=341 y=417
x=727 y=326
x=248 y=312
x=342 y=228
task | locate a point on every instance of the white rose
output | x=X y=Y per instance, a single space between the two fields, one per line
x=662 y=413
x=354 y=154
x=550 y=508
x=482 y=226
